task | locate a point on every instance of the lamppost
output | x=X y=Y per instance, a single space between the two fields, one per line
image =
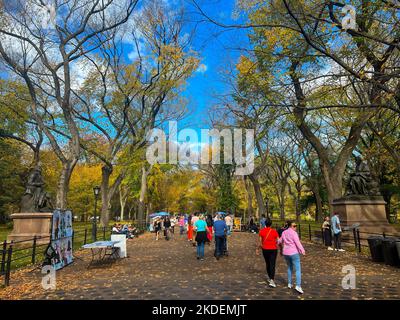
x=96 y=191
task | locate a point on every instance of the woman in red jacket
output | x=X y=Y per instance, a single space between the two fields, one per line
x=190 y=228
x=268 y=242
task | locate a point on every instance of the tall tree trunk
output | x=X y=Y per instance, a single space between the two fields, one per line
x=143 y=191
x=258 y=193
x=106 y=172
x=249 y=196
x=334 y=184
x=122 y=203
x=107 y=192
x=281 y=199
x=123 y=196
x=63 y=184
x=318 y=204
x=296 y=204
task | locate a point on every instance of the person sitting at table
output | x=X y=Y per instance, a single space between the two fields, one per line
x=132 y=231
x=125 y=230
x=115 y=229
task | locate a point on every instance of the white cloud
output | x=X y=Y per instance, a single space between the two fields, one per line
x=202 y=68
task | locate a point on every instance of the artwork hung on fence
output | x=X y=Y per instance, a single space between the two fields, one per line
x=61 y=238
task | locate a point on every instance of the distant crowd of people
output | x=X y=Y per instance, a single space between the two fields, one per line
x=199 y=229
x=164 y=224
x=127 y=229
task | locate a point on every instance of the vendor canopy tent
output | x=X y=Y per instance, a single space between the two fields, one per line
x=158 y=214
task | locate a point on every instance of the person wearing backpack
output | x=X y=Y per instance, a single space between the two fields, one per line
x=268 y=239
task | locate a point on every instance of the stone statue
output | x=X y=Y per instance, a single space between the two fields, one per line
x=361 y=182
x=35 y=199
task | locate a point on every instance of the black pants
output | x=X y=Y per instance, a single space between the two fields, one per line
x=327 y=237
x=337 y=237
x=270 y=261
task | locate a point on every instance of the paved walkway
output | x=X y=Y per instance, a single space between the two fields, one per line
x=169 y=270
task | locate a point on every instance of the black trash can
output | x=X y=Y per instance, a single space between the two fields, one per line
x=376 y=249
x=398 y=247
x=390 y=253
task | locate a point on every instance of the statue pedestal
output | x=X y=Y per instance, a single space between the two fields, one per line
x=368 y=211
x=29 y=225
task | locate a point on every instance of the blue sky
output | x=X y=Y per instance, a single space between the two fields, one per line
x=218 y=49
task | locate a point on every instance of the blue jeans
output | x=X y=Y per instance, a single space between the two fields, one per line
x=293 y=261
x=219 y=245
x=200 y=249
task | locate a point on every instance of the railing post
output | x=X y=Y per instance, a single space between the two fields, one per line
x=3 y=256
x=358 y=240
x=84 y=240
x=104 y=233
x=309 y=231
x=299 y=231
x=34 y=250
x=8 y=267
x=355 y=237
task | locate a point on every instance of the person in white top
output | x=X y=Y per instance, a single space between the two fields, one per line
x=194 y=219
x=173 y=223
x=229 y=222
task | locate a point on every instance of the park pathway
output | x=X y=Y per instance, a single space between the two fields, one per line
x=169 y=270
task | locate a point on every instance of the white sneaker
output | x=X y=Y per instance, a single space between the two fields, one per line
x=289 y=285
x=299 y=289
x=272 y=284
x=330 y=248
x=341 y=250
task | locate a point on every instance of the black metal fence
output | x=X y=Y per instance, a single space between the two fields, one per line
x=352 y=237
x=17 y=254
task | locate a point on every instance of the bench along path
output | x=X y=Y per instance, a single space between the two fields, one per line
x=169 y=270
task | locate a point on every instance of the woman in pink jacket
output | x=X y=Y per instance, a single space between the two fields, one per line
x=292 y=248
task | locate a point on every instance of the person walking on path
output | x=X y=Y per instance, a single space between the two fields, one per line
x=327 y=233
x=292 y=248
x=181 y=225
x=283 y=228
x=167 y=228
x=190 y=228
x=229 y=223
x=173 y=223
x=337 y=232
x=201 y=236
x=210 y=223
x=220 y=230
x=195 y=217
x=262 y=221
x=268 y=243
x=157 y=227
